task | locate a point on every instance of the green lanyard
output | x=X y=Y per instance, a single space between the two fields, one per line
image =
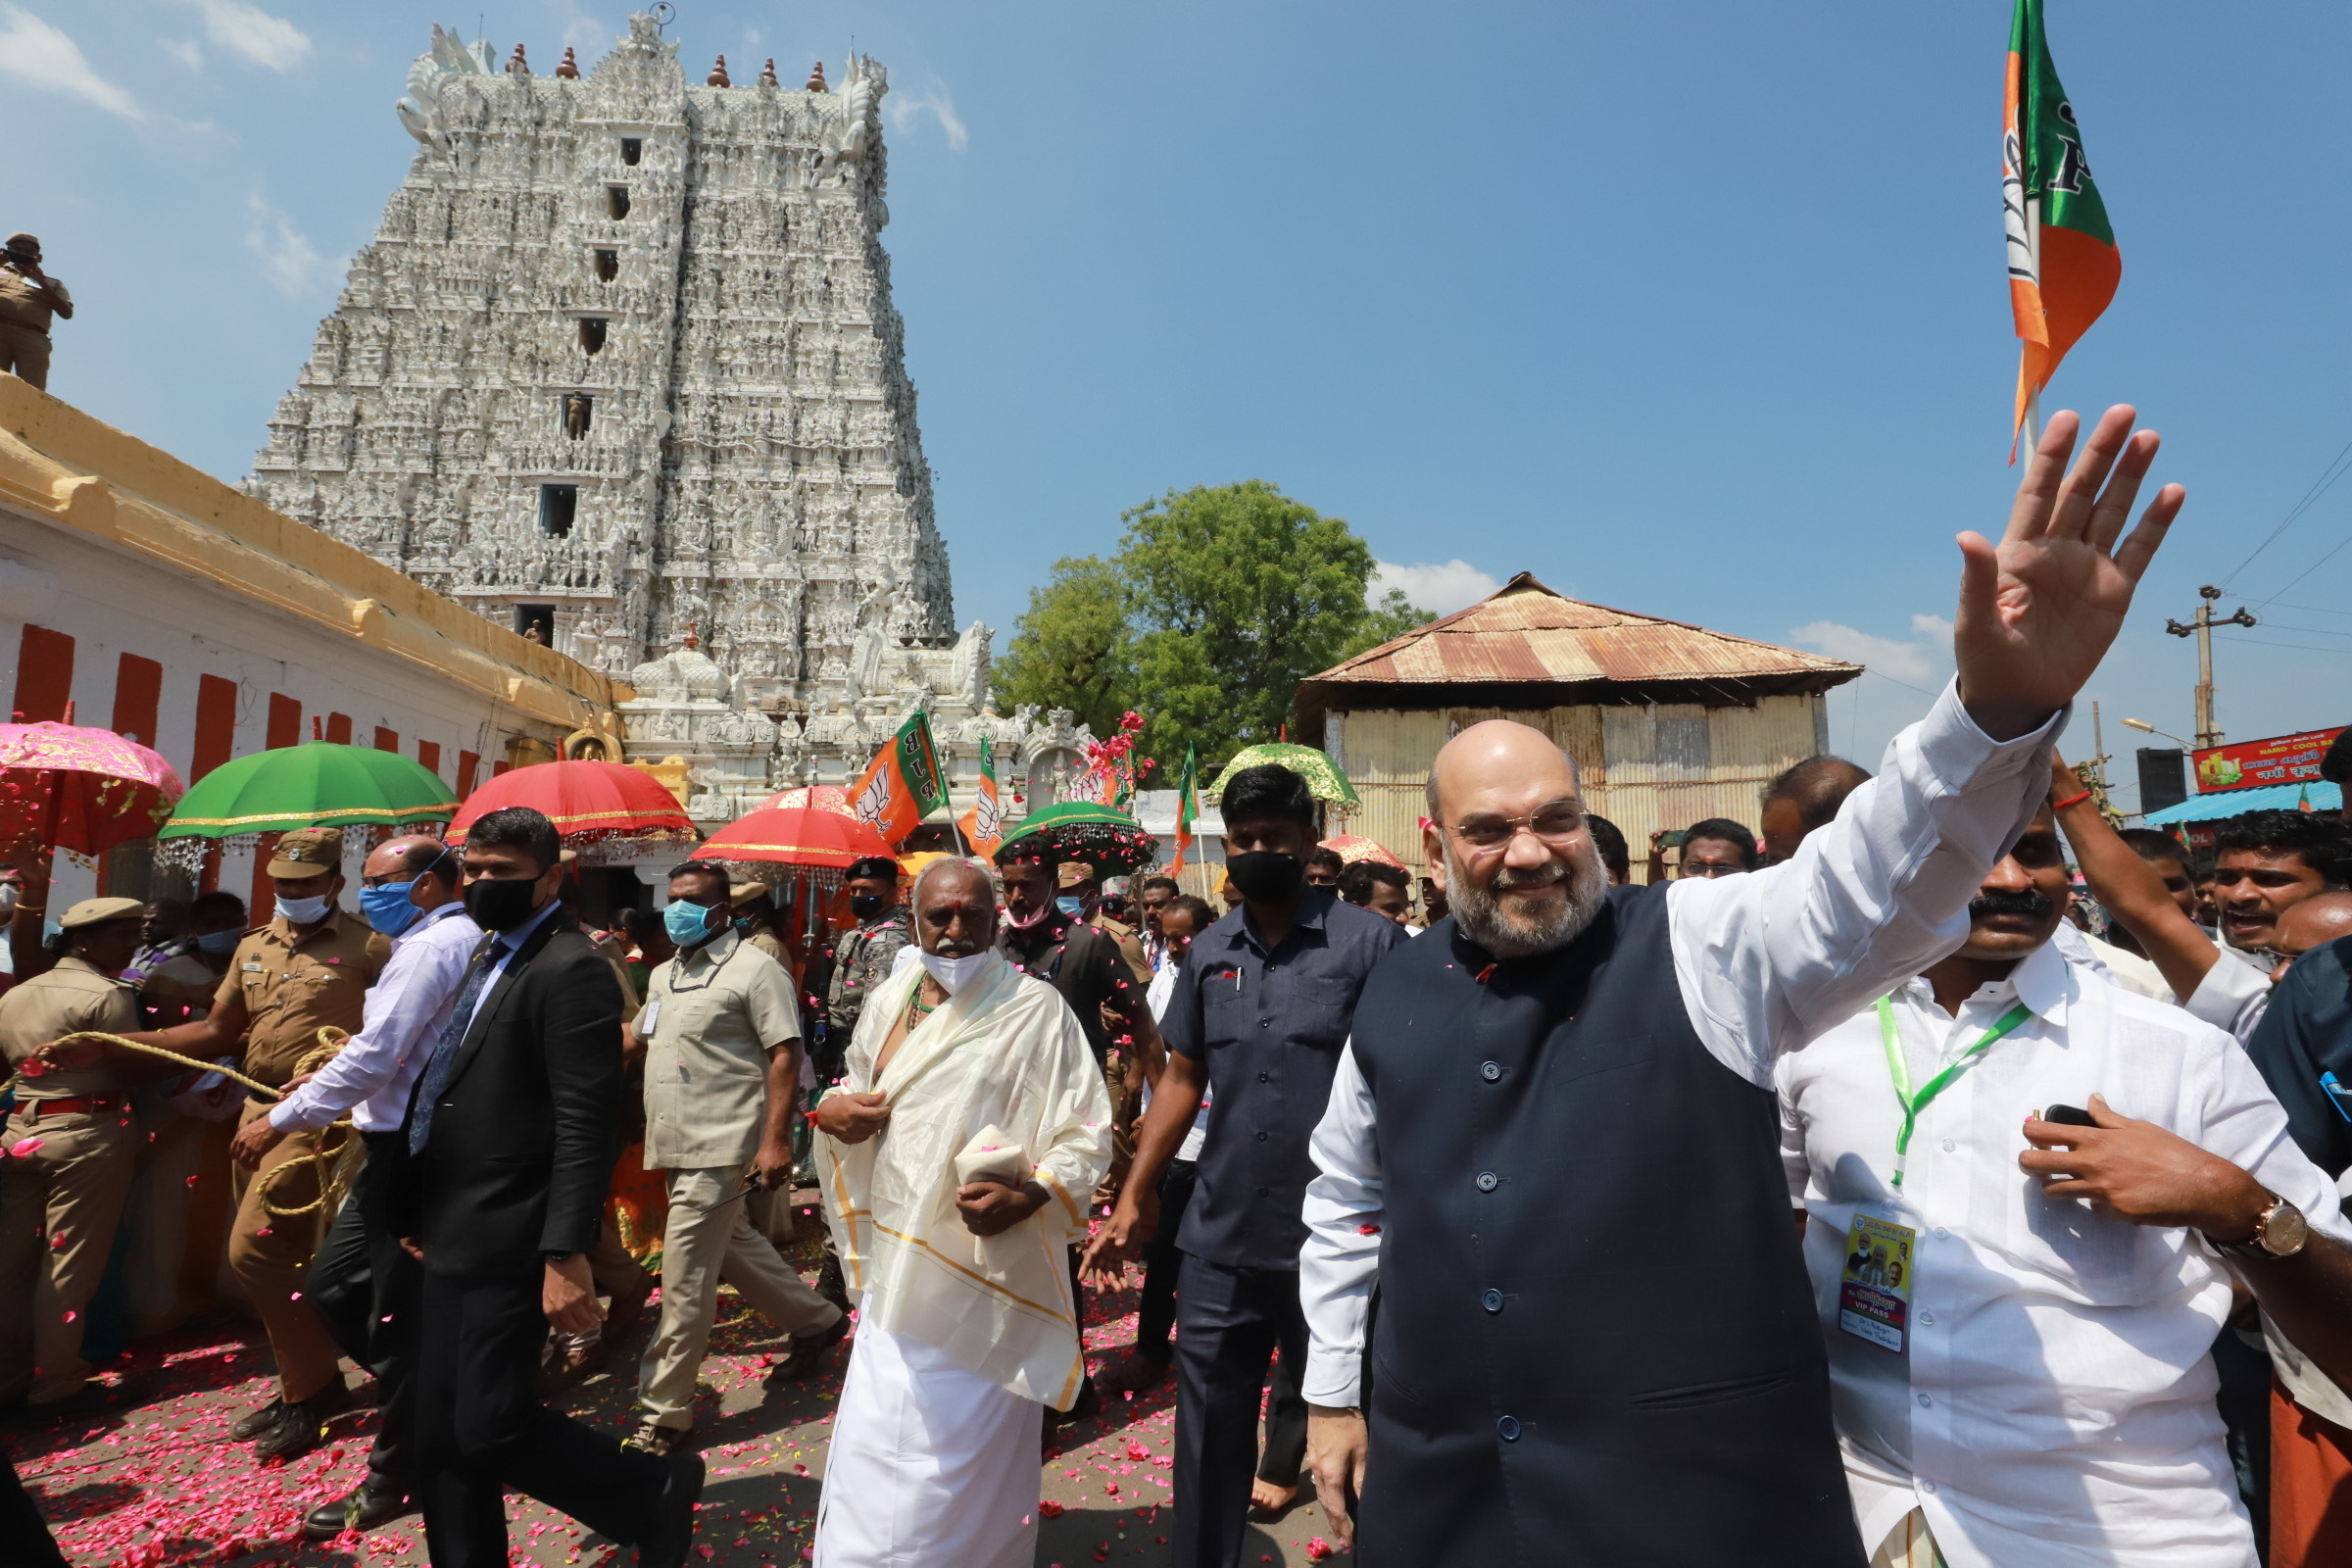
x=1900 y=1071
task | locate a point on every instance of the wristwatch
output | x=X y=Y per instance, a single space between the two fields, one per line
x=2279 y=1231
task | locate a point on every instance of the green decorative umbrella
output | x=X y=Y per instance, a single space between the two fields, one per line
x=1324 y=780
x=317 y=784
x=1113 y=843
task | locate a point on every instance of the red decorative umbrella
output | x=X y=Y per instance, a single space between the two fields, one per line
x=1353 y=847
x=72 y=787
x=588 y=802
x=818 y=797
x=809 y=838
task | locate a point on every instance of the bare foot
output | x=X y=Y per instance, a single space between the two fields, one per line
x=1269 y=1501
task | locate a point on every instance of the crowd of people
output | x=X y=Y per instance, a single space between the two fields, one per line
x=1862 y=1190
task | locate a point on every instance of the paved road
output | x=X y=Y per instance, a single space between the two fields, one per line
x=159 y=1485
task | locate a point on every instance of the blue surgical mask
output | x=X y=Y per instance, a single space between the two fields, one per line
x=219 y=942
x=743 y=925
x=687 y=922
x=303 y=911
x=1071 y=906
x=386 y=906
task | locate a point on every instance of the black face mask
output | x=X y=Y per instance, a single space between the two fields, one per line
x=500 y=904
x=865 y=906
x=1267 y=877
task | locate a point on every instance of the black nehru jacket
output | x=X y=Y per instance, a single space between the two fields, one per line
x=1604 y=1350
x=522 y=1148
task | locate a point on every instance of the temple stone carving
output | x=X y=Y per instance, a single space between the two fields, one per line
x=622 y=364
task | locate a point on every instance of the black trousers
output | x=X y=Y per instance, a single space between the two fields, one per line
x=1156 y=1315
x=24 y=1541
x=481 y=1428
x=1228 y=1322
x=367 y=1292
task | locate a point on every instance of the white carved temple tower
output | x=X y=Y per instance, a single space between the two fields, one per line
x=622 y=364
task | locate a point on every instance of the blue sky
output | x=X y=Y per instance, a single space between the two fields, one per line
x=1696 y=309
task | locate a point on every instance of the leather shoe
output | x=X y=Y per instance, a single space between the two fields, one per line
x=669 y=1535
x=807 y=1349
x=1133 y=1375
x=302 y=1426
x=254 y=1423
x=371 y=1507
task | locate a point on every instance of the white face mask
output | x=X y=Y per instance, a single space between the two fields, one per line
x=953 y=974
x=303 y=911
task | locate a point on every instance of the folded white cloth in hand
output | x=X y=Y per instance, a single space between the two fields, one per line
x=992 y=1155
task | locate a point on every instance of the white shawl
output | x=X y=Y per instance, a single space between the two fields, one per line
x=1005 y=1051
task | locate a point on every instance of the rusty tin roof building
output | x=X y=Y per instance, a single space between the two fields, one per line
x=1668 y=723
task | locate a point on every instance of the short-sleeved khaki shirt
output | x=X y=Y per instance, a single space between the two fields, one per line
x=72 y=995
x=294 y=986
x=710 y=1016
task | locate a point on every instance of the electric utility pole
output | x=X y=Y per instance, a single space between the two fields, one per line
x=2201 y=627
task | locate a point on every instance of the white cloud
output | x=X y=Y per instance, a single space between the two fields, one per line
x=907 y=107
x=184 y=50
x=1439 y=589
x=252 y=34
x=289 y=261
x=40 y=56
x=1915 y=663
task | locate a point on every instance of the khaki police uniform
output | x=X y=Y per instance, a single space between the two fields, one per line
x=291 y=985
x=710 y=1016
x=26 y=309
x=59 y=1202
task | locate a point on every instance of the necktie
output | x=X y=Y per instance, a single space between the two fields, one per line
x=444 y=1050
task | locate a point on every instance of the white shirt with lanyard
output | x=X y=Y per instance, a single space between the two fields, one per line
x=2048 y=1400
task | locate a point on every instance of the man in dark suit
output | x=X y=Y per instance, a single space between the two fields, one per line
x=507 y=1147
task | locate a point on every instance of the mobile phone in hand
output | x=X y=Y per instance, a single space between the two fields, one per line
x=2069 y=1115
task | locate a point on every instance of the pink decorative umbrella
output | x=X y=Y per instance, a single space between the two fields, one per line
x=72 y=787
x=814 y=797
x=1352 y=848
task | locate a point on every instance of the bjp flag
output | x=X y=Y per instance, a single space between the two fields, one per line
x=2063 y=274
x=903 y=784
x=984 y=824
x=1188 y=806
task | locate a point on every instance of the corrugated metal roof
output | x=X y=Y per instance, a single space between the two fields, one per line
x=1526 y=632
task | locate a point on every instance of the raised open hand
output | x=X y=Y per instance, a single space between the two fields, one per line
x=2038 y=611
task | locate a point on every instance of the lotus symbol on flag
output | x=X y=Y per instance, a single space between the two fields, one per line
x=872 y=800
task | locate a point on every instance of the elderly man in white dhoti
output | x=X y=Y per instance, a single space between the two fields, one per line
x=958 y=1157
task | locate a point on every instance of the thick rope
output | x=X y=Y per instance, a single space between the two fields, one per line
x=330 y=1185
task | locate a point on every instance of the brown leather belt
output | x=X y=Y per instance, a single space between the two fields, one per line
x=95 y=1106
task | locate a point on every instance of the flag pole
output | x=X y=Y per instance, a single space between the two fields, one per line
x=2032 y=429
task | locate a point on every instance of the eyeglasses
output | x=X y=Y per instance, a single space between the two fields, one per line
x=1555 y=825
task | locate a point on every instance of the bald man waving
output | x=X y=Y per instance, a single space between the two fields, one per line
x=1596 y=1338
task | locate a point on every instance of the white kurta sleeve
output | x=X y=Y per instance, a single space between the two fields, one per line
x=1341 y=1259
x=2232 y=995
x=1768 y=960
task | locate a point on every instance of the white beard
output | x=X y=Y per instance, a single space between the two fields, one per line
x=1489 y=921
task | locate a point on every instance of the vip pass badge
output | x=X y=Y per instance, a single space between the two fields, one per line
x=1873 y=1289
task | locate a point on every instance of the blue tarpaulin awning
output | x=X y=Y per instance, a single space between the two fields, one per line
x=2322 y=795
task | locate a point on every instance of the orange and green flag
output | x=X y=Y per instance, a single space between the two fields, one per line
x=1188 y=806
x=903 y=784
x=984 y=824
x=2059 y=286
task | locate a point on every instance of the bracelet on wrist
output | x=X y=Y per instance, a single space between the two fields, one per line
x=2072 y=799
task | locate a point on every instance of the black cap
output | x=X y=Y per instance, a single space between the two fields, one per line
x=876 y=867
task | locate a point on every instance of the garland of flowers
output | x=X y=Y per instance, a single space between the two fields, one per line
x=1112 y=769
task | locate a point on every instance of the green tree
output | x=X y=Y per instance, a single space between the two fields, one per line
x=1221 y=599
x=1390 y=618
x=1072 y=648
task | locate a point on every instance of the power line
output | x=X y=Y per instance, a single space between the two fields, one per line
x=2336 y=469
x=2309 y=648
x=2317 y=610
x=2314 y=567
